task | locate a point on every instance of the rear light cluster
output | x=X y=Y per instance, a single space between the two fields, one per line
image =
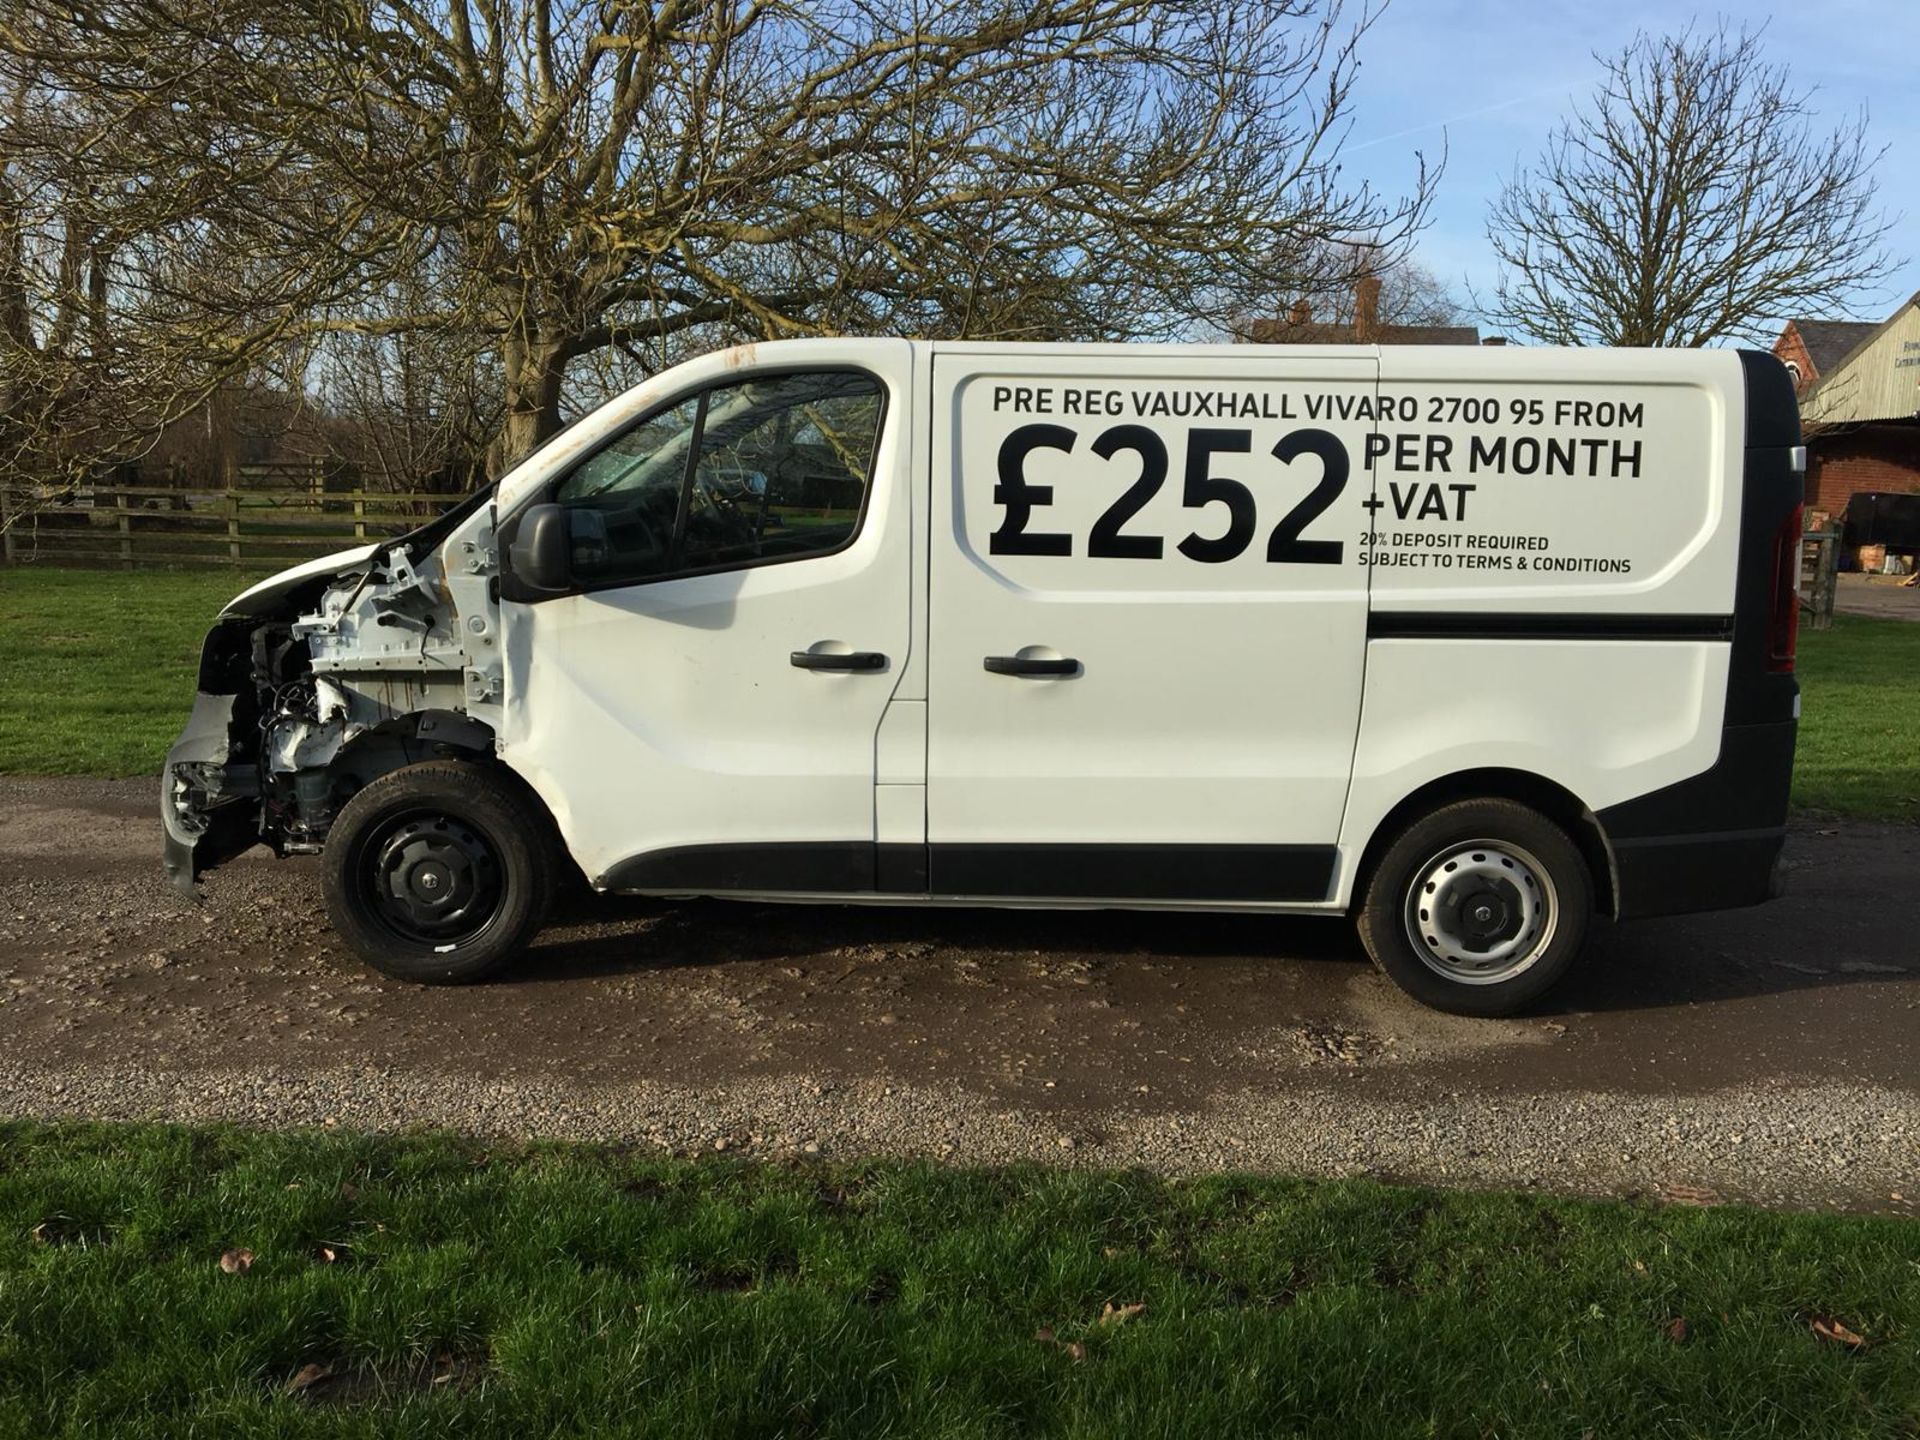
x=1783 y=614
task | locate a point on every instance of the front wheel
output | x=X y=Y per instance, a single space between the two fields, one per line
x=1478 y=908
x=440 y=872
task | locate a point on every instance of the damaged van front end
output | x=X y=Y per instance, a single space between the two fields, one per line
x=328 y=675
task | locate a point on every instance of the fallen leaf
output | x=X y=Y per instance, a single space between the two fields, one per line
x=1640 y=1266
x=307 y=1378
x=1677 y=1193
x=39 y=1233
x=1838 y=1333
x=1074 y=1349
x=349 y=1191
x=328 y=1255
x=1112 y=1314
x=236 y=1262
x=1677 y=1331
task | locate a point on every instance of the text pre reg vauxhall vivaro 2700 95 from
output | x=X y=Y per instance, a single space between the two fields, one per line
x=1470 y=644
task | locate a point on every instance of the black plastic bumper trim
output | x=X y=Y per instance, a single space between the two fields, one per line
x=1743 y=791
x=1680 y=874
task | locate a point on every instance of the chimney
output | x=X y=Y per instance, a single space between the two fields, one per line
x=1366 y=310
x=1301 y=315
x=1494 y=340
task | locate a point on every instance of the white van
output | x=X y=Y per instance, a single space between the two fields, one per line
x=1468 y=644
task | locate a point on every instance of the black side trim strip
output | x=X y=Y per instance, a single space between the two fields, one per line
x=900 y=869
x=824 y=868
x=1298 y=873
x=1514 y=625
x=1136 y=872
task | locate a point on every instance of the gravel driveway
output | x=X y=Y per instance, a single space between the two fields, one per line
x=1881 y=596
x=1769 y=1055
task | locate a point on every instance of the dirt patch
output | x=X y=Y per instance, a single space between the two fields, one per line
x=1881 y=596
x=338 y=1382
x=1101 y=1037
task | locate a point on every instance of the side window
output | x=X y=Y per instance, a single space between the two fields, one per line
x=783 y=468
x=764 y=470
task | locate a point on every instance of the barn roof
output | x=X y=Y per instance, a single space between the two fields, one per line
x=1829 y=342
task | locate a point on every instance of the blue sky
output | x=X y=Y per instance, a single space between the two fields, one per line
x=1488 y=78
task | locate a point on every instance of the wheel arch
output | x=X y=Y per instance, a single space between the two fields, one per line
x=1550 y=798
x=447 y=737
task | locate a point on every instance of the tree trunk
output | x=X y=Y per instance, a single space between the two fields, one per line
x=534 y=366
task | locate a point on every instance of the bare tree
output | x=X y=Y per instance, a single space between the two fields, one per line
x=1324 y=307
x=1693 y=200
x=617 y=181
x=410 y=408
x=1410 y=294
x=81 y=373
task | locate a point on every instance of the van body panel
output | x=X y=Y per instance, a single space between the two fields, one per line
x=665 y=717
x=1605 y=720
x=1568 y=481
x=1160 y=626
x=1714 y=839
x=1118 y=512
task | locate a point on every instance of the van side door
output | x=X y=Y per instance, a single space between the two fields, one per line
x=700 y=713
x=1147 y=621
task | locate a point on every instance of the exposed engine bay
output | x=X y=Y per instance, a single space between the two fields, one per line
x=328 y=676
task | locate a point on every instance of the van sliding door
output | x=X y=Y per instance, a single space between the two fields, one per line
x=1147 y=621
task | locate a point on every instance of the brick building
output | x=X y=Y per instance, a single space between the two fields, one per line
x=1859 y=405
x=1811 y=348
x=1298 y=327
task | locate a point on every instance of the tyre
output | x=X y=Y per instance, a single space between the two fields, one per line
x=441 y=872
x=1479 y=908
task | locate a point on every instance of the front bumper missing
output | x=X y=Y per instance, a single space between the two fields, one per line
x=209 y=808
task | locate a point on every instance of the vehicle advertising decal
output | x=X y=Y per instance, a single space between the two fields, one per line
x=1435 y=486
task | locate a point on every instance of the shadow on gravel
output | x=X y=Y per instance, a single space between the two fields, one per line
x=629 y=933
x=1657 y=964
x=1646 y=965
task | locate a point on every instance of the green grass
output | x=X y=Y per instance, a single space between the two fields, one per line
x=1859 y=744
x=97 y=667
x=96 y=678
x=577 y=1290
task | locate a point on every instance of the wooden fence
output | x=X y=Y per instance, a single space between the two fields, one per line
x=1819 y=565
x=134 y=526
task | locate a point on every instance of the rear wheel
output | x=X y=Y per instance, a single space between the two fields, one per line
x=439 y=873
x=1478 y=908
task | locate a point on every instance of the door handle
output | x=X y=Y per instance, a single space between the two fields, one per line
x=1031 y=665
x=827 y=660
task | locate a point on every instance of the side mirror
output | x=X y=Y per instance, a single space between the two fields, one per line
x=542 y=552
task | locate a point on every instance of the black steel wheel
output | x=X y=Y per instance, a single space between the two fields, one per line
x=440 y=872
x=1478 y=908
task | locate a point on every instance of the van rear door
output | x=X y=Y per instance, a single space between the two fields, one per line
x=1147 y=621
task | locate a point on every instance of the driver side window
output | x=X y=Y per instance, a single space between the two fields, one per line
x=769 y=469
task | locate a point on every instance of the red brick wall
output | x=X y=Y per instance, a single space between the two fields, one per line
x=1789 y=349
x=1876 y=457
